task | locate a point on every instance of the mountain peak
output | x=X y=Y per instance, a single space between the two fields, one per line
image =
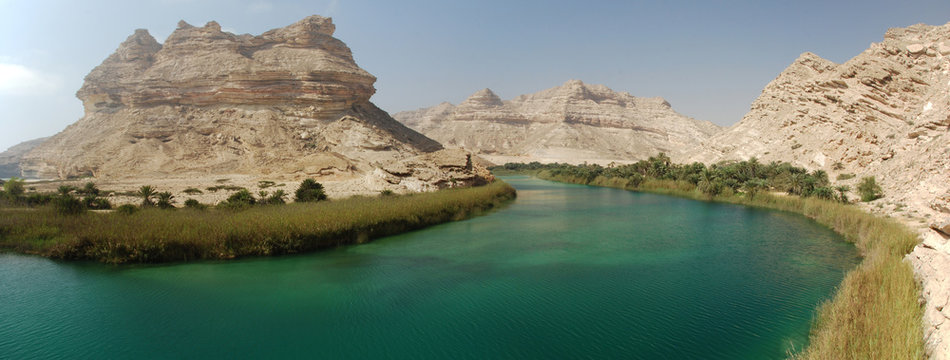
x=483 y=97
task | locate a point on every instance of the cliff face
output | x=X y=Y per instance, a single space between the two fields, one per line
x=10 y=159
x=884 y=113
x=574 y=122
x=290 y=101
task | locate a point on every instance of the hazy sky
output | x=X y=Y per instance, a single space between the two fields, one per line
x=709 y=59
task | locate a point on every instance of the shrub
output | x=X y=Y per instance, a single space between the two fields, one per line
x=89 y=189
x=96 y=203
x=127 y=209
x=845 y=177
x=239 y=200
x=194 y=204
x=276 y=198
x=13 y=187
x=193 y=191
x=66 y=204
x=869 y=190
x=387 y=192
x=36 y=199
x=309 y=191
x=263 y=184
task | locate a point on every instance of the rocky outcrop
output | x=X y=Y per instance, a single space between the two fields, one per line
x=884 y=113
x=10 y=159
x=434 y=171
x=289 y=102
x=574 y=122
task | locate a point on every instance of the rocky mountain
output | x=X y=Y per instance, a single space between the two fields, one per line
x=884 y=113
x=289 y=102
x=574 y=122
x=10 y=159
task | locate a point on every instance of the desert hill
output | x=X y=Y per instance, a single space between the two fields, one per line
x=288 y=103
x=574 y=122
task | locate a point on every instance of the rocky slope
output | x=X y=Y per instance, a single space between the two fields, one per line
x=886 y=113
x=574 y=122
x=288 y=103
x=10 y=159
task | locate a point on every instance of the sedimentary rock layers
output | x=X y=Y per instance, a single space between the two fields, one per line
x=574 y=122
x=289 y=101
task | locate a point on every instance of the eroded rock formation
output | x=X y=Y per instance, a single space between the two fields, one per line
x=574 y=122
x=10 y=159
x=290 y=101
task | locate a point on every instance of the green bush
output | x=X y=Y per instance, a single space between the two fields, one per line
x=842 y=177
x=310 y=191
x=89 y=189
x=127 y=209
x=13 y=188
x=66 y=204
x=240 y=200
x=193 y=191
x=96 y=203
x=194 y=204
x=869 y=190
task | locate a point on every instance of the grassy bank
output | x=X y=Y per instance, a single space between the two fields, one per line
x=154 y=235
x=875 y=313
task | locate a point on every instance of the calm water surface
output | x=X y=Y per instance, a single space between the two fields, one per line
x=566 y=271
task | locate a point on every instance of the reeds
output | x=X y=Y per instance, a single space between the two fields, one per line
x=875 y=313
x=155 y=235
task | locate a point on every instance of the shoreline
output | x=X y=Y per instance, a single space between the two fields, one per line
x=875 y=309
x=182 y=235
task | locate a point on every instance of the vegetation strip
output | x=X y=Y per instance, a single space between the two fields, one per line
x=875 y=313
x=153 y=235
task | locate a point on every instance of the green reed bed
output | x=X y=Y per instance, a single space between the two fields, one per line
x=155 y=235
x=875 y=313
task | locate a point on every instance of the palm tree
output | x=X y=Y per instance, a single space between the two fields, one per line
x=165 y=200
x=278 y=197
x=146 y=192
x=64 y=190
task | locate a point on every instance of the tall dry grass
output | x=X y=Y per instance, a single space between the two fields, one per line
x=154 y=235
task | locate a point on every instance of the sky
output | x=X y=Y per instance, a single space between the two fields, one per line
x=709 y=59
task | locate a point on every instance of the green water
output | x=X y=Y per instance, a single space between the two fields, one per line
x=566 y=271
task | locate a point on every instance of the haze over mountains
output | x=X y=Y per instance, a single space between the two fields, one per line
x=574 y=123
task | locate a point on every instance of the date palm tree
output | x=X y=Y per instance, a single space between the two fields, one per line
x=146 y=192
x=165 y=200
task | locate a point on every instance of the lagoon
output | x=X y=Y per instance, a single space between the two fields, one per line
x=565 y=271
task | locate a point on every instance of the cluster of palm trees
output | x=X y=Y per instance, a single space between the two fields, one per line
x=152 y=198
x=749 y=176
x=309 y=191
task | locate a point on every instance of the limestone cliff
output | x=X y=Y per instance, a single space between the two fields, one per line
x=884 y=113
x=574 y=122
x=10 y=159
x=288 y=102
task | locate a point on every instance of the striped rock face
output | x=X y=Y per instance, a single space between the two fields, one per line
x=573 y=123
x=290 y=101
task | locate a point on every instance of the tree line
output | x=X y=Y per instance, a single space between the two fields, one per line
x=724 y=178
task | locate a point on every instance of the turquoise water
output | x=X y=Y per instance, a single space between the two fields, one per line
x=566 y=271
